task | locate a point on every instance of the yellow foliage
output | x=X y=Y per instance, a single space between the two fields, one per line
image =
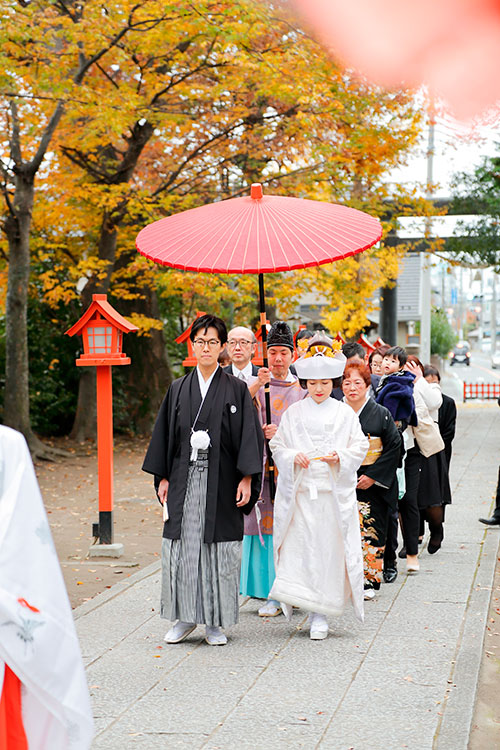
x=145 y=324
x=192 y=103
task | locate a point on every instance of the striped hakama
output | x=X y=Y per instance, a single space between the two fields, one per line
x=200 y=581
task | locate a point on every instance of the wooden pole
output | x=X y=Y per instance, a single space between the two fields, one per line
x=105 y=452
x=267 y=388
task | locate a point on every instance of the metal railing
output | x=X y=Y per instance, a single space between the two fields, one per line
x=483 y=391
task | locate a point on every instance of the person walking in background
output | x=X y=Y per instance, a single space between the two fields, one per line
x=447 y=414
x=317 y=448
x=257 y=568
x=206 y=456
x=302 y=341
x=241 y=346
x=494 y=520
x=395 y=392
x=447 y=418
x=354 y=352
x=395 y=389
x=425 y=478
x=375 y=359
x=377 y=487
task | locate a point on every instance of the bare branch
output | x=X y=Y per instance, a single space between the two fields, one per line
x=106 y=75
x=199 y=150
x=141 y=26
x=15 y=141
x=47 y=134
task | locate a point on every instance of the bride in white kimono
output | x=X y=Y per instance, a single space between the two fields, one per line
x=318 y=448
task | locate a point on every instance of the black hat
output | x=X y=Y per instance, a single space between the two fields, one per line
x=280 y=335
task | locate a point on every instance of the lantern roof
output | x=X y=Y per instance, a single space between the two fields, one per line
x=367 y=346
x=380 y=342
x=185 y=335
x=101 y=305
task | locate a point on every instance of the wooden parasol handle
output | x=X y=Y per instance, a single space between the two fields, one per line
x=267 y=387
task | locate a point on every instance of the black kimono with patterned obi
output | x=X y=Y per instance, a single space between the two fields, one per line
x=375 y=502
x=376 y=421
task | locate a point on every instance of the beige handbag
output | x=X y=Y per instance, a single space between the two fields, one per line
x=426 y=433
x=374 y=450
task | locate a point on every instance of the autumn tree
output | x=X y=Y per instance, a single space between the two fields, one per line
x=268 y=105
x=478 y=194
x=191 y=104
x=46 y=53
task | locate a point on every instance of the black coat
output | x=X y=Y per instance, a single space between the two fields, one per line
x=447 y=418
x=377 y=421
x=229 y=415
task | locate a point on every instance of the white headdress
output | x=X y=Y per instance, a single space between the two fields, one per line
x=320 y=363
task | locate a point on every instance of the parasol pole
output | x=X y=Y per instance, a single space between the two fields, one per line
x=267 y=387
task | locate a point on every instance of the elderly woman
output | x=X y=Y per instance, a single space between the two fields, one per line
x=376 y=488
x=317 y=546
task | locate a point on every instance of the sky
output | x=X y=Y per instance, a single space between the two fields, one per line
x=457 y=148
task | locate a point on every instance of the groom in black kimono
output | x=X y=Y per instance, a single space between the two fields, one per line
x=206 y=456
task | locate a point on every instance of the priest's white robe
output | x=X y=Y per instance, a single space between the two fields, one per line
x=38 y=639
x=317 y=540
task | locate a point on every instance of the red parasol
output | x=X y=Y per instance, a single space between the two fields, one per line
x=258 y=234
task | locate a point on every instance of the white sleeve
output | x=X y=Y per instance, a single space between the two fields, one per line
x=430 y=392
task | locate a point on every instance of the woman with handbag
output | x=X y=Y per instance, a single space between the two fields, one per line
x=434 y=492
x=376 y=489
x=422 y=442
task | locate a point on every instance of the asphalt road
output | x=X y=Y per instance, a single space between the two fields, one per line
x=479 y=371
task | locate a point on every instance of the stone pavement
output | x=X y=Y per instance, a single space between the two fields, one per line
x=406 y=678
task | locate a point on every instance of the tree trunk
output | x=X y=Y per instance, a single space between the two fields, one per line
x=85 y=424
x=149 y=375
x=17 y=229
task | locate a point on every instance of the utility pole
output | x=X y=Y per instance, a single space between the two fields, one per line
x=481 y=314
x=425 y=273
x=493 y=313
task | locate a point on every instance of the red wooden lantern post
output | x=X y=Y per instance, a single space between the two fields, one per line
x=102 y=329
x=190 y=360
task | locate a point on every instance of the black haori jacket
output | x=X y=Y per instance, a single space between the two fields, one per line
x=229 y=415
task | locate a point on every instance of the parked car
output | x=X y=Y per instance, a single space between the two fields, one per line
x=460 y=353
x=495 y=360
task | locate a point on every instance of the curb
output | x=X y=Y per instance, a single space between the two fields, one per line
x=115 y=590
x=454 y=730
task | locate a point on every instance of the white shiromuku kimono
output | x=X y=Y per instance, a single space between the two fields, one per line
x=317 y=540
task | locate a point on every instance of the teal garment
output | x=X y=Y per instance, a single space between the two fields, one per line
x=257 y=566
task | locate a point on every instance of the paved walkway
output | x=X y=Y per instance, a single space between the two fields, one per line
x=405 y=679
